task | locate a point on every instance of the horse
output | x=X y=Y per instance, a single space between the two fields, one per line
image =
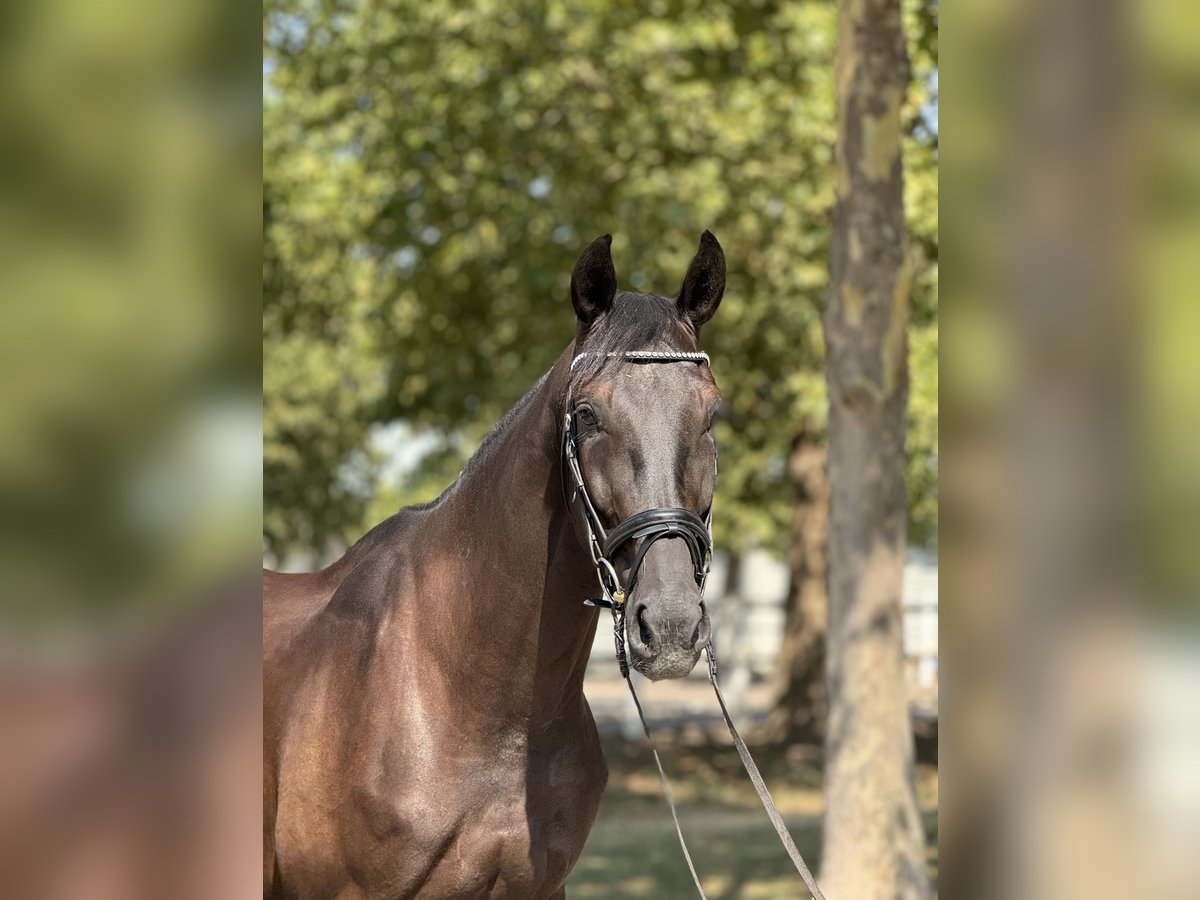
x=425 y=729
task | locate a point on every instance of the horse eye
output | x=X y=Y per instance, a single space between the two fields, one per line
x=587 y=417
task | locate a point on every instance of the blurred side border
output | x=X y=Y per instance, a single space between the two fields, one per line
x=1071 y=483
x=130 y=442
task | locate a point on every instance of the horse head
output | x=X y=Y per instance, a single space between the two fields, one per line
x=641 y=410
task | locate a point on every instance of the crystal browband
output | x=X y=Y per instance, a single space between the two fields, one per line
x=657 y=355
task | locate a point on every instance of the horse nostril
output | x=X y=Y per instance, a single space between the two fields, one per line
x=644 y=631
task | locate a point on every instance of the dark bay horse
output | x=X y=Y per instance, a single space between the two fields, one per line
x=425 y=729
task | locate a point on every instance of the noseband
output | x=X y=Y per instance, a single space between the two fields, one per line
x=647 y=527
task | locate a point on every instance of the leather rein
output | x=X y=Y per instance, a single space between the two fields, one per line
x=646 y=528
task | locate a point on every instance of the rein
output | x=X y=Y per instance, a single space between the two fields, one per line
x=649 y=526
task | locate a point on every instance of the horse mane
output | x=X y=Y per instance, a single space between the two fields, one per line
x=498 y=430
x=386 y=529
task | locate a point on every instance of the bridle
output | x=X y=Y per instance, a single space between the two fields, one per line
x=648 y=527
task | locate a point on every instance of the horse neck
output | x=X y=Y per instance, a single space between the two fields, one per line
x=519 y=624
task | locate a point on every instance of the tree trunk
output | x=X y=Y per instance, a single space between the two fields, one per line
x=873 y=840
x=799 y=715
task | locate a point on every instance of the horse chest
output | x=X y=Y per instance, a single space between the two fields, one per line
x=488 y=828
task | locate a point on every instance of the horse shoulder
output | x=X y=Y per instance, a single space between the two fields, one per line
x=317 y=665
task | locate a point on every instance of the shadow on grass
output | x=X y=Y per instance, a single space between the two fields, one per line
x=633 y=851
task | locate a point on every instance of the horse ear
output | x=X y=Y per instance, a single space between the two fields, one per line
x=594 y=280
x=704 y=284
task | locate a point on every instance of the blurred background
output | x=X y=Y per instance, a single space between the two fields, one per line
x=1070 y=496
x=129 y=439
x=431 y=173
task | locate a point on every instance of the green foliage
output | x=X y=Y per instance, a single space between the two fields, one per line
x=433 y=169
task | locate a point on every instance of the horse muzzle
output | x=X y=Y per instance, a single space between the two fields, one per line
x=665 y=633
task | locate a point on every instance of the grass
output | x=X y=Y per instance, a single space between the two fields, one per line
x=633 y=851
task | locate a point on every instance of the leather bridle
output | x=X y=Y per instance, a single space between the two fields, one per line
x=645 y=528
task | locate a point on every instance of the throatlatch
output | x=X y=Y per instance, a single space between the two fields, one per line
x=647 y=527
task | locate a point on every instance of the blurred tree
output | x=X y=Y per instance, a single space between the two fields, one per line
x=873 y=844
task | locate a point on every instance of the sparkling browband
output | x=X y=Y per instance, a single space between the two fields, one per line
x=668 y=355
